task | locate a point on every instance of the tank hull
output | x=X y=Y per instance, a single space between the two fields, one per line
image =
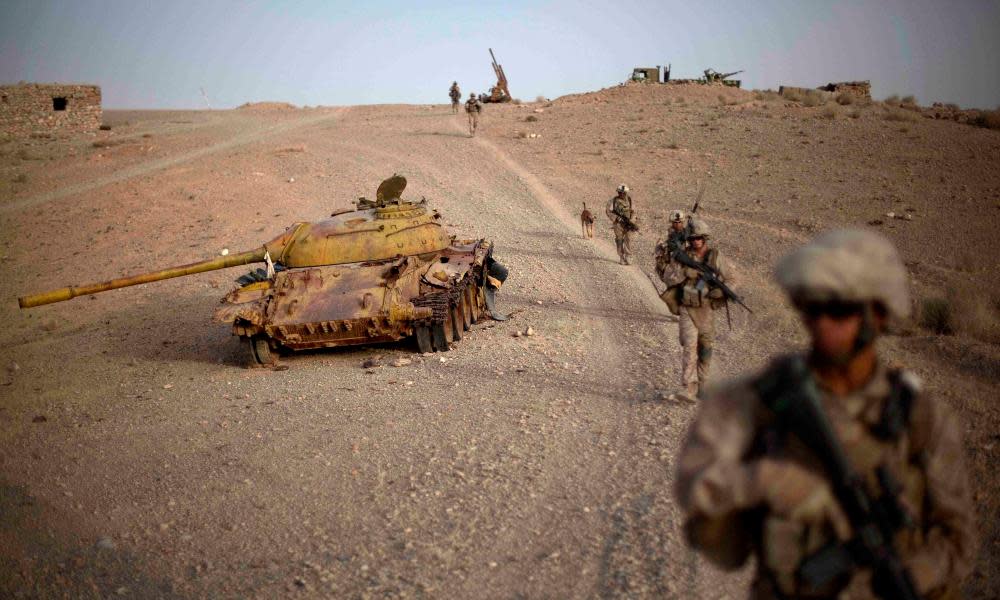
x=364 y=302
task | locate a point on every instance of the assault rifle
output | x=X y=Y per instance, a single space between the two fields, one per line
x=709 y=276
x=627 y=222
x=792 y=394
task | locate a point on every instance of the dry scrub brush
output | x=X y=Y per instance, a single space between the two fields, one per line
x=766 y=96
x=894 y=113
x=963 y=310
x=845 y=98
x=813 y=98
x=989 y=119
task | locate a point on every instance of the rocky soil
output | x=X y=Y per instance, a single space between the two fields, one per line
x=142 y=458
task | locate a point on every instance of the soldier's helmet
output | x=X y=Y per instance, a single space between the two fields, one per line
x=677 y=216
x=699 y=228
x=472 y=94
x=622 y=188
x=847 y=265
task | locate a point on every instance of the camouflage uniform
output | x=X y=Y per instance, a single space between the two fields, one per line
x=750 y=487
x=619 y=206
x=670 y=271
x=473 y=106
x=697 y=303
x=456 y=96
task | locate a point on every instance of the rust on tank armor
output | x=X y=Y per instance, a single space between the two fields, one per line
x=384 y=271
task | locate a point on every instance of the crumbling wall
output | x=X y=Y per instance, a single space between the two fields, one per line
x=861 y=89
x=28 y=108
x=792 y=91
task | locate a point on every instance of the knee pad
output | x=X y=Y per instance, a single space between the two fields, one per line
x=704 y=353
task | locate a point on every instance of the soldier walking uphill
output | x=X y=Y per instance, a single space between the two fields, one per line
x=835 y=471
x=456 y=96
x=473 y=106
x=622 y=217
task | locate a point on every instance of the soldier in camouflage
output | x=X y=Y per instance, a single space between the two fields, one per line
x=473 y=106
x=696 y=302
x=750 y=486
x=676 y=240
x=455 y=95
x=622 y=216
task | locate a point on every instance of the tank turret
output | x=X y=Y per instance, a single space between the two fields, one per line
x=377 y=230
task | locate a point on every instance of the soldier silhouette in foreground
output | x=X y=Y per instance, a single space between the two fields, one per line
x=834 y=470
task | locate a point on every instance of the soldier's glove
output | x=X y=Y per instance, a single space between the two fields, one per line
x=716 y=294
x=793 y=492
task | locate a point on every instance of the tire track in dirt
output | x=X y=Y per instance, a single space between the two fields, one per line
x=165 y=163
x=629 y=524
x=629 y=554
x=552 y=204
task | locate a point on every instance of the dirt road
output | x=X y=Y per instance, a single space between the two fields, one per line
x=142 y=458
x=531 y=466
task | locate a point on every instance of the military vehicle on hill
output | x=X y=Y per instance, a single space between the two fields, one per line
x=713 y=76
x=500 y=92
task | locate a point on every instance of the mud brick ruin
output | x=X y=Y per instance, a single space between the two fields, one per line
x=861 y=89
x=28 y=108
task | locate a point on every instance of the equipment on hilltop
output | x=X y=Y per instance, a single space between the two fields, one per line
x=500 y=92
x=713 y=76
x=380 y=272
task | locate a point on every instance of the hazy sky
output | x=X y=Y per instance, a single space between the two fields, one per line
x=159 y=54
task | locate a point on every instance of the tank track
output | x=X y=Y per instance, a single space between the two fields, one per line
x=439 y=301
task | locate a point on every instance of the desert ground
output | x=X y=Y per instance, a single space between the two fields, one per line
x=143 y=458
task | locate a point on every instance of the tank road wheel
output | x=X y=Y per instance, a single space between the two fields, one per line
x=260 y=350
x=443 y=333
x=424 y=340
x=472 y=299
x=465 y=309
x=457 y=321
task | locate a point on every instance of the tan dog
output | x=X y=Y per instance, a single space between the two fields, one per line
x=587 y=222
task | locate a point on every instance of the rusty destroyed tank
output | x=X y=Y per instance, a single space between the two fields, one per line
x=381 y=272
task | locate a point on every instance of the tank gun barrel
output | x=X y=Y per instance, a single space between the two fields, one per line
x=68 y=293
x=725 y=75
